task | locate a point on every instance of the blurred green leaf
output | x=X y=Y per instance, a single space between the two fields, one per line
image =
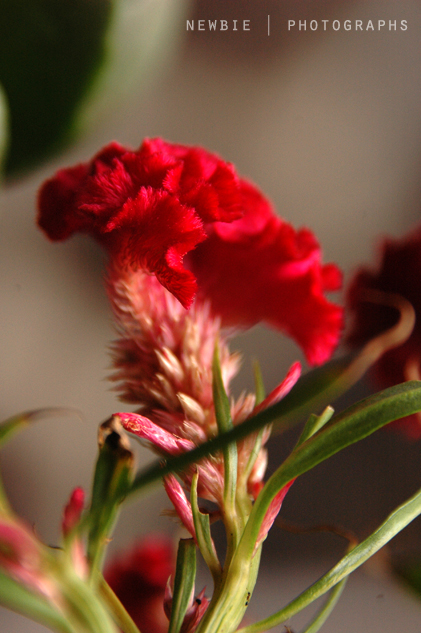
x=410 y=572
x=18 y=422
x=50 y=53
x=15 y=597
x=4 y=128
x=185 y=576
x=65 y=63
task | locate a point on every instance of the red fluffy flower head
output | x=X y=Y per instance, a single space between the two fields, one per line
x=183 y=215
x=139 y=579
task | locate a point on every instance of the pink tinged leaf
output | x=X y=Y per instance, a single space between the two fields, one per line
x=255 y=480
x=144 y=428
x=21 y=558
x=272 y=513
x=180 y=502
x=73 y=511
x=168 y=595
x=282 y=389
x=195 y=613
x=211 y=481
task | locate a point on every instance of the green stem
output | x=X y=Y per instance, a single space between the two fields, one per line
x=231 y=598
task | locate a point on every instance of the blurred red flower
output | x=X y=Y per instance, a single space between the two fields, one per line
x=399 y=272
x=183 y=214
x=139 y=579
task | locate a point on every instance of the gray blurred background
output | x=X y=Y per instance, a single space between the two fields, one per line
x=328 y=124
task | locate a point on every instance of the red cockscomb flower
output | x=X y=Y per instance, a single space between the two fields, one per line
x=183 y=214
x=398 y=272
x=139 y=579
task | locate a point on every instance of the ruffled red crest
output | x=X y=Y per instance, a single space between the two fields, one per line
x=152 y=207
x=147 y=207
x=264 y=270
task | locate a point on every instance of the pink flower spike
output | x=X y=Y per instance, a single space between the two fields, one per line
x=272 y=513
x=73 y=511
x=180 y=502
x=147 y=430
x=282 y=389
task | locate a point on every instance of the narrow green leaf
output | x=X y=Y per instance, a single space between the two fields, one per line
x=312 y=390
x=185 y=576
x=83 y=607
x=323 y=614
x=345 y=429
x=112 y=480
x=203 y=533
x=395 y=522
x=17 y=423
x=224 y=421
x=15 y=597
x=116 y=609
x=314 y=424
x=258 y=383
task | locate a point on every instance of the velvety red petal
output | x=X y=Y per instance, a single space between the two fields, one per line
x=154 y=231
x=259 y=268
x=57 y=203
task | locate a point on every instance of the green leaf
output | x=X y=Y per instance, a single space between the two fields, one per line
x=116 y=609
x=112 y=479
x=344 y=429
x=66 y=63
x=19 y=422
x=185 y=576
x=50 y=53
x=4 y=128
x=223 y=419
x=203 y=533
x=314 y=424
x=84 y=608
x=258 y=382
x=325 y=611
x=17 y=598
x=395 y=522
x=311 y=391
x=314 y=391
